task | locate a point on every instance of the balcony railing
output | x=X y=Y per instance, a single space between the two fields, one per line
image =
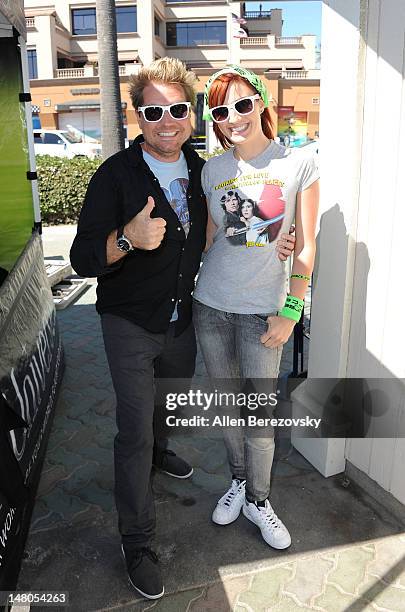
x=294 y=74
x=254 y=41
x=30 y=22
x=92 y=71
x=69 y=73
x=288 y=40
x=257 y=15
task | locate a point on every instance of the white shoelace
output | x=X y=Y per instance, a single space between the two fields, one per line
x=233 y=491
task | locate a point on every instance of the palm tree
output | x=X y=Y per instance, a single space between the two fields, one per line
x=112 y=136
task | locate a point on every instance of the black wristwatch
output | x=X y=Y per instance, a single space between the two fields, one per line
x=123 y=243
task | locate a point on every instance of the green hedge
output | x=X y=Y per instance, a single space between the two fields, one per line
x=62 y=184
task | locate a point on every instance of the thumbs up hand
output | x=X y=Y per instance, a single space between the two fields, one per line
x=143 y=231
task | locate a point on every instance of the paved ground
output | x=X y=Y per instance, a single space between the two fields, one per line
x=347 y=553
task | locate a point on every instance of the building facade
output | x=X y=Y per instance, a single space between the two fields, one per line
x=62 y=49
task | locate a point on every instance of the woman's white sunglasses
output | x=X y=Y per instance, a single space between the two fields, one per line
x=244 y=106
x=155 y=112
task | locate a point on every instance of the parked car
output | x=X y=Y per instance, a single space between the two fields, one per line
x=61 y=143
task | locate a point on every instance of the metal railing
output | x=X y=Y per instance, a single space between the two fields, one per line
x=257 y=15
x=288 y=40
x=30 y=22
x=254 y=41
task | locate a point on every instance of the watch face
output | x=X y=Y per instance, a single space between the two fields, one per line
x=124 y=245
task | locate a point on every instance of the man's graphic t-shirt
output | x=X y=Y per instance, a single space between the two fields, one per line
x=173 y=180
x=251 y=203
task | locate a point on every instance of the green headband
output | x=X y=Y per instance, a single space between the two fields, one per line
x=245 y=74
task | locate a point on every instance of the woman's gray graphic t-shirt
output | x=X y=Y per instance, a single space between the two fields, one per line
x=251 y=203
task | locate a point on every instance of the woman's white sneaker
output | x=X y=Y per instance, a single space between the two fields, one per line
x=274 y=532
x=229 y=506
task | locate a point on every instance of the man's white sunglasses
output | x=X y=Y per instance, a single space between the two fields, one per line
x=155 y=112
x=244 y=106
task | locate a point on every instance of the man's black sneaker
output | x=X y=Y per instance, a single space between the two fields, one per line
x=168 y=462
x=143 y=571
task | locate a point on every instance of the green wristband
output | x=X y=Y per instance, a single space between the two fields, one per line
x=292 y=308
x=301 y=276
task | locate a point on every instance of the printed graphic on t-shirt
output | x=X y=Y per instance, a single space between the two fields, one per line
x=254 y=209
x=176 y=194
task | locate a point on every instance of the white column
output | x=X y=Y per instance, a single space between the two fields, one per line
x=46 y=46
x=146 y=28
x=342 y=90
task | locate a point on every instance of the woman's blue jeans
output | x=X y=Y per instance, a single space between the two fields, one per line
x=233 y=354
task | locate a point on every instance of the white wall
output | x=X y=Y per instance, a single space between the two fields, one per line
x=260 y=27
x=219 y=55
x=356 y=325
x=377 y=338
x=309 y=42
x=214 y=12
x=302 y=56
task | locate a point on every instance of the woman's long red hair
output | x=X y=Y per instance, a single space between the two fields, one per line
x=217 y=96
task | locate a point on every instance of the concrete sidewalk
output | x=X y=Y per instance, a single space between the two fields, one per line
x=348 y=549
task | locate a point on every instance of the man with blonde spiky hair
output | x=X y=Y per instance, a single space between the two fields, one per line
x=141 y=232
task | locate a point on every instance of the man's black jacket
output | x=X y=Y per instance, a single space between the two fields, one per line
x=144 y=285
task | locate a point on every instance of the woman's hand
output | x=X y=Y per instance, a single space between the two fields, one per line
x=230 y=231
x=278 y=331
x=285 y=246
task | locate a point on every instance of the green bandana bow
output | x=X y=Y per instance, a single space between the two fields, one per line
x=246 y=74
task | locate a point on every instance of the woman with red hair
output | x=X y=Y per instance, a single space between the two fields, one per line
x=242 y=311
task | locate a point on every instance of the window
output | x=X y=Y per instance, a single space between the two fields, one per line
x=52 y=139
x=32 y=64
x=84 y=20
x=157 y=26
x=126 y=19
x=192 y=33
x=37 y=138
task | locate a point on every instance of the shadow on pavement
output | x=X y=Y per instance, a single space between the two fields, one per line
x=73 y=543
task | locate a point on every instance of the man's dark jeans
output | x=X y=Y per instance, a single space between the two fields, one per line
x=136 y=358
